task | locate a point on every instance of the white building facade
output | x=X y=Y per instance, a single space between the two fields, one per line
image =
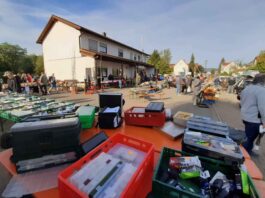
x=228 y=67
x=181 y=68
x=73 y=52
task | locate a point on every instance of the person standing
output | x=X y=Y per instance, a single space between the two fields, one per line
x=1 y=84
x=253 y=109
x=11 y=84
x=52 y=80
x=231 y=83
x=43 y=83
x=29 y=78
x=178 y=84
x=18 y=82
x=196 y=89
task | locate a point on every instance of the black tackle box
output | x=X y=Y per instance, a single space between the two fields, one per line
x=211 y=146
x=46 y=137
x=155 y=107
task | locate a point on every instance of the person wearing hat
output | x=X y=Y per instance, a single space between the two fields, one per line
x=253 y=109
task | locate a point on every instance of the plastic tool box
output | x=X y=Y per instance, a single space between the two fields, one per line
x=86 y=116
x=212 y=146
x=155 y=107
x=138 y=116
x=37 y=139
x=140 y=183
x=160 y=189
x=208 y=126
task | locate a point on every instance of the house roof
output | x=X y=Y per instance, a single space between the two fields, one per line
x=53 y=19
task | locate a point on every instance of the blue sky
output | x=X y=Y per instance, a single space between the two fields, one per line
x=211 y=29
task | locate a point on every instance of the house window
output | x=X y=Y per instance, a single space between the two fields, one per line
x=103 y=72
x=139 y=58
x=134 y=58
x=115 y=72
x=131 y=55
x=93 y=45
x=120 y=53
x=103 y=47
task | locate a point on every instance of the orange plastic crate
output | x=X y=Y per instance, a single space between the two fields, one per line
x=155 y=119
x=139 y=185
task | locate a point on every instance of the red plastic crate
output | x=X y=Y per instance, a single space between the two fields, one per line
x=156 y=119
x=139 y=185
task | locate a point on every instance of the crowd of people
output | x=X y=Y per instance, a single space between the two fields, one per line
x=26 y=83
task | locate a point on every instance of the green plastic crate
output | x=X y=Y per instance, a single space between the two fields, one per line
x=86 y=116
x=163 y=190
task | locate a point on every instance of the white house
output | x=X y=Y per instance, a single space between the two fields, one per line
x=228 y=67
x=180 y=68
x=73 y=52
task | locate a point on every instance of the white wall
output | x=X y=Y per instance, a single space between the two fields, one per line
x=112 y=48
x=180 y=67
x=62 y=55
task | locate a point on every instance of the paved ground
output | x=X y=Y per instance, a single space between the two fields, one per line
x=226 y=110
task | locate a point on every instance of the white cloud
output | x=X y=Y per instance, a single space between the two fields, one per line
x=210 y=29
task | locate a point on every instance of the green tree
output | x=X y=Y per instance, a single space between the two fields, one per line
x=161 y=61
x=213 y=71
x=220 y=65
x=192 y=65
x=39 y=65
x=154 y=59
x=163 y=65
x=260 y=63
x=11 y=57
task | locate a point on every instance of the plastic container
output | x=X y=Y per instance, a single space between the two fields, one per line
x=86 y=116
x=181 y=118
x=163 y=190
x=212 y=146
x=208 y=126
x=139 y=185
x=132 y=117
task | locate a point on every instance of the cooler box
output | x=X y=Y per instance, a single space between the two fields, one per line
x=138 y=116
x=211 y=146
x=190 y=188
x=86 y=116
x=140 y=183
x=36 y=139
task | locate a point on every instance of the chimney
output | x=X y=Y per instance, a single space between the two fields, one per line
x=104 y=34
